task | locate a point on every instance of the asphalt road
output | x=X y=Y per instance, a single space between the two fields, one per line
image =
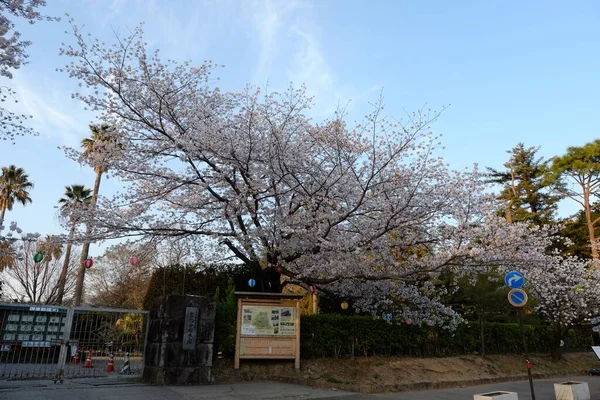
x=117 y=388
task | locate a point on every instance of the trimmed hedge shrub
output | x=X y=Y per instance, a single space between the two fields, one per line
x=331 y=335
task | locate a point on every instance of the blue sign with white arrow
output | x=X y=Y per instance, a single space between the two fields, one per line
x=517 y=297
x=514 y=280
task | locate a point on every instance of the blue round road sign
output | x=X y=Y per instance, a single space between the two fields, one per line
x=514 y=280
x=517 y=297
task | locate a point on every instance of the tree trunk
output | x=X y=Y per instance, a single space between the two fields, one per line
x=590 y=223
x=557 y=349
x=63 y=274
x=86 y=245
x=481 y=335
x=2 y=212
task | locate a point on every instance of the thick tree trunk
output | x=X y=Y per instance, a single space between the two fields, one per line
x=590 y=223
x=86 y=246
x=63 y=273
x=557 y=349
x=2 y=212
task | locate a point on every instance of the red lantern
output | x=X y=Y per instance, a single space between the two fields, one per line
x=133 y=261
x=88 y=262
x=409 y=321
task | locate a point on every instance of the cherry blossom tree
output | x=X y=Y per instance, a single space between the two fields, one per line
x=13 y=56
x=368 y=211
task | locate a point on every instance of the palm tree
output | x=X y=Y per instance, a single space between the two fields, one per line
x=92 y=147
x=14 y=186
x=7 y=255
x=76 y=196
x=52 y=249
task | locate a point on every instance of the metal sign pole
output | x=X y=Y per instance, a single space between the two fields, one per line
x=518 y=298
x=527 y=363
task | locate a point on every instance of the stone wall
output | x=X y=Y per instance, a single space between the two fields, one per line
x=166 y=362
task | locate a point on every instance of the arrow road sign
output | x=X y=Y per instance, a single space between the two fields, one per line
x=517 y=297
x=514 y=280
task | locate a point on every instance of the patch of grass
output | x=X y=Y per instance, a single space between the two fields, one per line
x=332 y=379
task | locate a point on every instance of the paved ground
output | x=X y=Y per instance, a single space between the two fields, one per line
x=115 y=388
x=544 y=390
x=47 y=371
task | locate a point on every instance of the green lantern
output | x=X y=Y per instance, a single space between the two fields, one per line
x=37 y=257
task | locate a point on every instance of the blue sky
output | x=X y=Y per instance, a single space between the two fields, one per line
x=512 y=71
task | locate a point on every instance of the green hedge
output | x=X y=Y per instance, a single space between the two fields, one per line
x=331 y=335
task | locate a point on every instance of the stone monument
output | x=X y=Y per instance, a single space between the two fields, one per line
x=179 y=349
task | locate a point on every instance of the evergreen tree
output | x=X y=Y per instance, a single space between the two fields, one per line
x=525 y=194
x=581 y=166
x=575 y=228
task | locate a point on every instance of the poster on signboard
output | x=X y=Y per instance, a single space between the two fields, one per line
x=268 y=320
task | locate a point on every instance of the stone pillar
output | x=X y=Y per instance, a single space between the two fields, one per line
x=173 y=355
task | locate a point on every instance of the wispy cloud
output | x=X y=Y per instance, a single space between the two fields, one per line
x=289 y=41
x=53 y=117
x=272 y=20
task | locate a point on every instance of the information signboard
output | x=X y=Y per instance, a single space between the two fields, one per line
x=268 y=320
x=268 y=326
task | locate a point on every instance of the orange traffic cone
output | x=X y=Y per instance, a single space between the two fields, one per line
x=88 y=361
x=110 y=367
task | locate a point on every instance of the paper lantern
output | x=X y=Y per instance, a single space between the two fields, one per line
x=88 y=263
x=408 y=321
x=133 y=261
x=251 y=282
x=344 y=305
x=37 y=257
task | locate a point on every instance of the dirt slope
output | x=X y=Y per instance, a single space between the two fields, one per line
x=380 y=374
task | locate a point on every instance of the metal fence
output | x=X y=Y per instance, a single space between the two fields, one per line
x=47 y=342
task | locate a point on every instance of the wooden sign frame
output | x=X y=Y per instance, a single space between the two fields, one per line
x=268 y=327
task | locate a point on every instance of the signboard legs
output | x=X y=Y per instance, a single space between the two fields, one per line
x=236 y=364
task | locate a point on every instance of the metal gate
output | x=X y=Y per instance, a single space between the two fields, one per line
x=49 y=342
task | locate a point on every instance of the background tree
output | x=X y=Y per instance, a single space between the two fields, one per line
x=478 y=298
x=14 y=55
x=14 y=186
x=93 y=148
x=36 y=283
x=76 y=196
x=524 y=194
x=114 y=282
x=7 y=255
x=576 y=229
x=576 y=175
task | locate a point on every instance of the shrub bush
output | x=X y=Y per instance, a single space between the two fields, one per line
x=197 y=280
x=330 y=335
